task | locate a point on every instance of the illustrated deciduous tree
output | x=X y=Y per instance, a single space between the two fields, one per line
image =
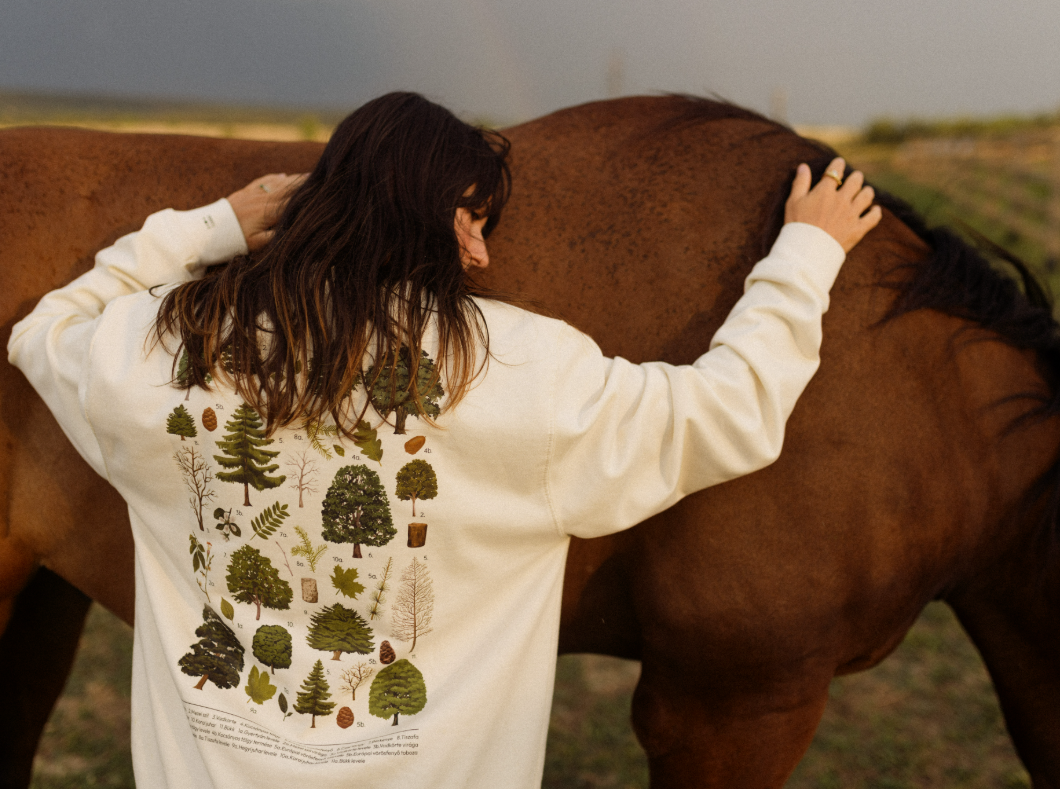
x=243 y=453
x=252 y=579
x=414 y=607
x=217 y=657
x=181 y=423
x=398 y=689
x=304 y=472
x=197 y=476
x=356 y=509
x=353 y=678
x=313 y=697
x=272 y=646
x=416 y=480
x=391 y=390
x=338 y=629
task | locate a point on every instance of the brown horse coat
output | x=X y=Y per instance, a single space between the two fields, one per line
x=636 y=220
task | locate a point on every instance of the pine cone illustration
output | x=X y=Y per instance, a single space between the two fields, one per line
x=386 y=653
x=344 y=718
x=209 y=419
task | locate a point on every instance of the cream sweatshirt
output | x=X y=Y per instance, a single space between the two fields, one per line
x=267 y=653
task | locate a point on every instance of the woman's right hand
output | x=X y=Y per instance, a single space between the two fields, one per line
x=841 y=211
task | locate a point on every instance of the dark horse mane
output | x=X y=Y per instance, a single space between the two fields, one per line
x=956 y=278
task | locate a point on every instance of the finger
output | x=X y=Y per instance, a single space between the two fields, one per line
x=838 y=167
x=872 y=218
x=800 y=187
x=852 y=185
x=863 y=199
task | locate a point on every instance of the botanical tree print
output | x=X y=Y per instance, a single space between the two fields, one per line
x=338 y=629
x=201 y=559
x=345 y=582
x=366 y=439
x=272 y=647
x=252 y=579
x=416 y=480
x=183 y=374
x=414 y=606
x=197 y=476
x=311 y=553
x=304 y=473
x=398 y=689
x=316 y=432
x=378 y=596
x=181 y=423
x=356 y=510
x=313 y=698
x=391 y=391
x=353 y=678
x=258 y=686
x=217 y=657
x=269 y=520
x=243 y=452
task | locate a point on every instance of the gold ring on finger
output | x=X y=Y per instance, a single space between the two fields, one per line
x=835 y=176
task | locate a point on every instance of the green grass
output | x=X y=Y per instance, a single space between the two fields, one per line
x=926 y=717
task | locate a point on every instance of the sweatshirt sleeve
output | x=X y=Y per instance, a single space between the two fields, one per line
x=630 y=440
x=52 y=344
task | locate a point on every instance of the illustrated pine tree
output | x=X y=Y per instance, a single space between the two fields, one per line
x=338 y=629
x=356 y=509
x=244 y=455
x=391 y=390
x=181 y=423
x=414 y=606
x=304 y=472
x=313 y=697
x=417 y=480
x=272 y=647
x=353 y=678
x=398 y=689
x=197 y=476
x=252 y=579
x=217 y=657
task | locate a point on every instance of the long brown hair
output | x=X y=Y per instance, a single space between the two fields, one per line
x=365 y=256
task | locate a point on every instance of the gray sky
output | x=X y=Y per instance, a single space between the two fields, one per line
x=838 y=61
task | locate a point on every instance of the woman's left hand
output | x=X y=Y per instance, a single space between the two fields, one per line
x=258 y=206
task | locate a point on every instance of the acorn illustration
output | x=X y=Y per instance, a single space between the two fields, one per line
x=386 y=653
x=209 y=419
x=415 y=444
x=344 y=718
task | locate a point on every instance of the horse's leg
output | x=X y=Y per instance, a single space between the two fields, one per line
x=1014 y=620
x=36 y=651
x=698 y=732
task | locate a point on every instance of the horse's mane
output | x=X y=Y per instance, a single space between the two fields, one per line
x=955 y=278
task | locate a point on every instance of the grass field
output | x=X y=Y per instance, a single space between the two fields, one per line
x=926 y=717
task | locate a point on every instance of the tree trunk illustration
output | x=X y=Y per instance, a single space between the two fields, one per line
x=246 y=494
x=257 y=602
x=399 y=421
x=337 y=655
x=309 y=590
x=417 y=535
x=395 y=719
x=202 y=681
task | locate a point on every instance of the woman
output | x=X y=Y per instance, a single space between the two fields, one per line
x=352 y=511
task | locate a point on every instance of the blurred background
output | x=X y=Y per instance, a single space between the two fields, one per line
x=952 y=104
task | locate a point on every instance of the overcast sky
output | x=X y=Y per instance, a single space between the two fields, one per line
x=836 y=61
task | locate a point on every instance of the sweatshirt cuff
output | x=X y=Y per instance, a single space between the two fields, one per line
x=804 y=252
x=217 y=229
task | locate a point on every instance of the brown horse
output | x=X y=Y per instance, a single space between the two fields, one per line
x=921 y=463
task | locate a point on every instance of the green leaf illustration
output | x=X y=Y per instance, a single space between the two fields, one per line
x=345 y=581
x=311 y=553
x=314 y=430
x=270 y=520
x=339 y=450
x=258 y=686
x=227 y=610
x=366 y=438
x=282 y=701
